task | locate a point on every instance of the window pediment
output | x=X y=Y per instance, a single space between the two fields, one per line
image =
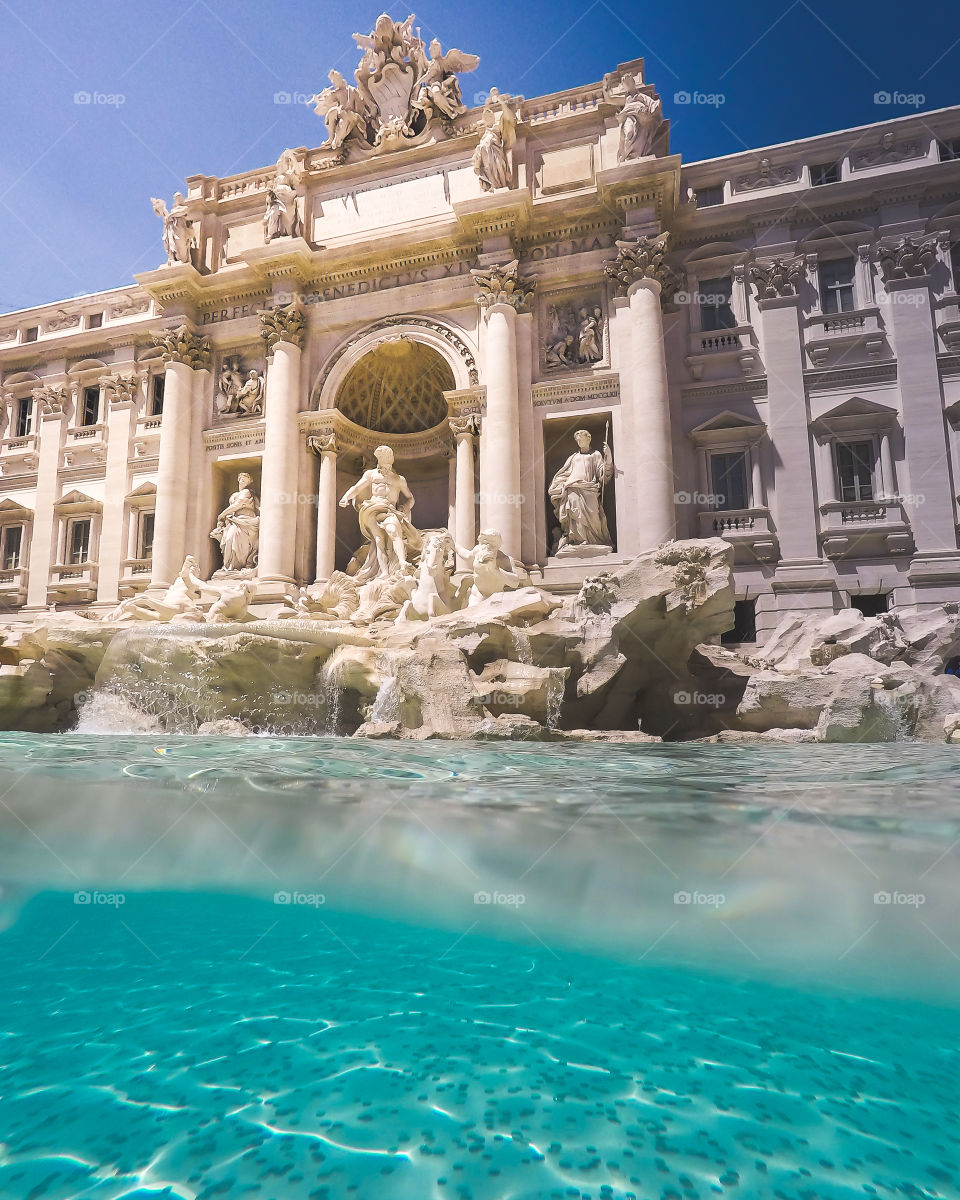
x=853 y=416
x=728 y=427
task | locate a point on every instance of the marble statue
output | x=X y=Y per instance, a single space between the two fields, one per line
x=383 y=502
x=238 y=528
x=576 y=492
x=639 y=119
x=438 y=92
x=590 y=335
x=336 y=599
x=491 y=569
x=180 y=602
x=177 y=238
x=491 y=159
x=249 y=396
x=233 y=604
x=434 y=594
x=343 y=112
x=389 y=42
x=281 y=216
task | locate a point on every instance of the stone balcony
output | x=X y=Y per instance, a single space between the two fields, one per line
x=135 y=577
x=749 y=530
x=724 y=347
x=18 y=456
x=146 y=442
x=13 y=587
x=860 y=528
x=848 y=337
x=73 y=582
x=85 y=444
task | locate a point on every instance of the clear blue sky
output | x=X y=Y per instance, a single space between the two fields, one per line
x=198 y=78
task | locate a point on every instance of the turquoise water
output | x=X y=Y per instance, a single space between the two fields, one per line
x=330 y=969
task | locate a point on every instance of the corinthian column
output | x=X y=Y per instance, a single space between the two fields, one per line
x=326 y=450
x=464 y=429
x=640 y=273
x=282 y=330
x=183 y=353
x=502 y=294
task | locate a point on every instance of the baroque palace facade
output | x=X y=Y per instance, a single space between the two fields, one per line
x=765 y=346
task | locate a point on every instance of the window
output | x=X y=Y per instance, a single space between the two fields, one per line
x=31 y=334
x=836 y=286
x=870 y=606
x=855 y=467
x=11 y=541
x=145 y=535
x=78 y=542
x=825 y=173
x=709 y=197
x=728 y=480
x=713 y=300
x=156 y=396
x=744 y=624
x=90 y=406
x=23 y=417
x=949 y=149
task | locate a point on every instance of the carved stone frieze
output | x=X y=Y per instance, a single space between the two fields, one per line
x=767 y=175
x=184 y=346
x=281 y=325
x=890 y=149
x=779 y=277
x=574 y=332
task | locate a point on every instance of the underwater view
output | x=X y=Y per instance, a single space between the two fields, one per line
x=342 y=968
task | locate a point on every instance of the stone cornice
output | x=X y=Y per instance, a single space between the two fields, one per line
x=754 y=386
x=851 y=377
x=548 y=394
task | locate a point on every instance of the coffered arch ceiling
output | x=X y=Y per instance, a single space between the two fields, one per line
x=397 y=388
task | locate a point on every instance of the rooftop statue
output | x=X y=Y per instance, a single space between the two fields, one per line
x=177 y=234
x=401 y=89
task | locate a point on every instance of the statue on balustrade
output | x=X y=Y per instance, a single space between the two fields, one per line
x=383 y=502
x=177 y=238
x=491 y=159
x=639 y=119
x=576 y=492
x=238 y=529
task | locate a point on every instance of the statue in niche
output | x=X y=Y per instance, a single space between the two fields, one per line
x=438 y=92
x=640 y=120
x=177 y=237
x=491 y=159
x=239 y=396
x=492 y=570
x=434 y=594
x=575 y=337
x=343 y=112
x=238 y=529
x=383 y=502
x=576 y=492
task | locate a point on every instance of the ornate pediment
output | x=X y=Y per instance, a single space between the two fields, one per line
x=403 y=94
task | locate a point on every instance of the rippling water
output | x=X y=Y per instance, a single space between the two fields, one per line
x=328 y=969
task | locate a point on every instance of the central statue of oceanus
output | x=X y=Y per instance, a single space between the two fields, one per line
x=383 y=502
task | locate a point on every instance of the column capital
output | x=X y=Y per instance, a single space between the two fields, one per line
x=778 y=278
x=184 y=346
x=53 y=400
x=466 y=426
x=642 y=258
x=122 y=390
x=908 y=258
x=503 y=285
x=282 y=324
x=323 y=444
